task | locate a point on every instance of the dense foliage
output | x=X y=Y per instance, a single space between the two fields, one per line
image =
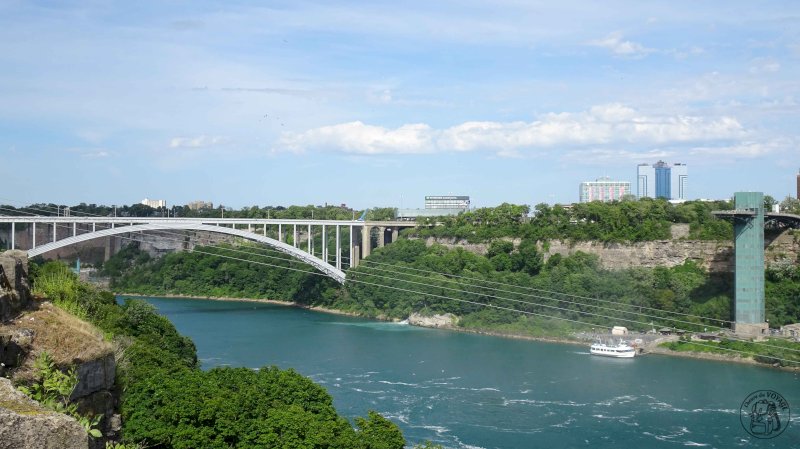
x=169 y=403
x=641 y=220
x=409 y=276
x=241 y=274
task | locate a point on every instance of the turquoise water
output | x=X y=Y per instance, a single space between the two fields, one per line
x=470 y=391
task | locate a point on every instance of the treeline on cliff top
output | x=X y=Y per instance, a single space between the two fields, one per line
x=168 y=402
x=326 y=212
x=630 y=220
x=408 y=276
x=619 y=221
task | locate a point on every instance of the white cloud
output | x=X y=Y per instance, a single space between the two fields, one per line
x=600 y=125
x=744 y=150
x=620 y=47
x=609 y=156
x=359 y=138
x=196 y=142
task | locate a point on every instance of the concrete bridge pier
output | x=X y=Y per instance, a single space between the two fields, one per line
x=381 y=236
x=366 y=241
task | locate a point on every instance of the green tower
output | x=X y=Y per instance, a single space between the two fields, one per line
x=748 y=232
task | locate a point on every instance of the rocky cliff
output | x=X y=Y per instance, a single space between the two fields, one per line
x=715 y=256
x=29 y=328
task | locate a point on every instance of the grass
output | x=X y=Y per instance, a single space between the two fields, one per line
x=67 y=338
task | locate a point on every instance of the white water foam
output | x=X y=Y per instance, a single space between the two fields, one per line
x=438 y=429
x=398 y=383
x=367 y=391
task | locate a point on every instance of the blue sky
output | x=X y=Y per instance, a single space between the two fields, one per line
x=378 y=103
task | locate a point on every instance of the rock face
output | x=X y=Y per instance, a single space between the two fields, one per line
x=446 y=320
x=14 y=288
x=24 y=424
x=714 y=256
x=95 y=394
x=95 y=375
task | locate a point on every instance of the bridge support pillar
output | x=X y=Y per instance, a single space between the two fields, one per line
x=352 y=253
x=395 y=233
x=338 y=250
x=280 y=233
x=294 y=242
x=75 y=229
x=381 y=236
x=54 y=232
x=109 y=248
x=748 y=232
x=366 y=241
x=324 y=244
x=13 y=235
x=309 y=242
x=34 y=235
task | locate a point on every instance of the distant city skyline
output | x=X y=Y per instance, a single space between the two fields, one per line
x=379 y=104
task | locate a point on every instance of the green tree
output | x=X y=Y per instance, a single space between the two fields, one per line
x=377 y=432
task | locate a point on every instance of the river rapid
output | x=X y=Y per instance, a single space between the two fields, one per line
x=471 y=391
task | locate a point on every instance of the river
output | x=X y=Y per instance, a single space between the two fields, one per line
x=470 y=391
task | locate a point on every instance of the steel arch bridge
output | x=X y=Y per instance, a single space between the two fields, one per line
x=312 y=260
x=83 y=229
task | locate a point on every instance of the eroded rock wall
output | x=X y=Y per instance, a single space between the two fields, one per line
x=14 y=287
x=715 y=256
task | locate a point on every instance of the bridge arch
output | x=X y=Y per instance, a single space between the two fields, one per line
x=316 y=262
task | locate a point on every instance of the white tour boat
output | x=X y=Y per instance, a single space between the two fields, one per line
x=620 y=350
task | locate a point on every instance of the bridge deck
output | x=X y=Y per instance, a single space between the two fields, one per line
x=788 y=220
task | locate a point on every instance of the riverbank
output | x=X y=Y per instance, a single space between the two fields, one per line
x=230 y=298
x=436 y=324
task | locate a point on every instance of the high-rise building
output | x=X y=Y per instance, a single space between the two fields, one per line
x=603 y=189
x=154 y=203
x=662 y=180
x=679 y=175
x=645 y=181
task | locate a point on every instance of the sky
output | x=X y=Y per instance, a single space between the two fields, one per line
x=380 y=103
